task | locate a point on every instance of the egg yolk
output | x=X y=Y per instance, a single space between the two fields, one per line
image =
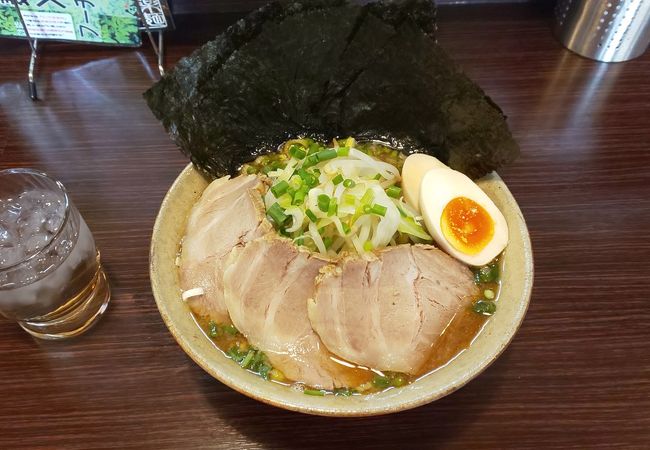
x=466 y=225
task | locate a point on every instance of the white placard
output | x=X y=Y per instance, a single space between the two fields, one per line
x=49 y=25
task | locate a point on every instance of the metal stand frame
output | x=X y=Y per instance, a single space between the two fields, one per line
x=33 y=43
x=158 y=48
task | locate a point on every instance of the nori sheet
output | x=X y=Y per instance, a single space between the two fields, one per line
x=329 y=68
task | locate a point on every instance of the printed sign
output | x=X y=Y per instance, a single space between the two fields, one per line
x=96 y=21
x=154 y=12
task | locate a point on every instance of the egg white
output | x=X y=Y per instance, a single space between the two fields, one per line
x=441 y=185
x=414 y=169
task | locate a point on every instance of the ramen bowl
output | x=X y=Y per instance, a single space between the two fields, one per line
x=516 y=286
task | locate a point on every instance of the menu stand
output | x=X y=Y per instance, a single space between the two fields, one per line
x=158 y=47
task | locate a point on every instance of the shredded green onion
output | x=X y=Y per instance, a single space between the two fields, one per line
x=351 y=200
x=394 y=192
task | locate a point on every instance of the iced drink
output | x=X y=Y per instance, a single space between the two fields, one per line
x=51 y=279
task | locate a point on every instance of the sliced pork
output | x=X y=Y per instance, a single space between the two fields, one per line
x=229 y=213
x=266 y=284
x=388 y=312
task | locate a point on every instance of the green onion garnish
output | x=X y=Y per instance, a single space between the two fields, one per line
x=280 y=188
x=346 y=228
x=230 y=329
x=276 y=213
x=315 y=392
x=311 y=160
x=367 y=246
x=323 y=202
x=378 y=209
x=327 y=241
x=394 y=192
x=381 y=382
x=324 y=155
x=378 y=176
x=337 y=179
x=247 y=359
x=299 y=197
x=311 y=215
x=367 y=197
x=333 y=208
x=313 y=148
x=343 y=151
x=348 y=183
x=485 y=307
x=297 y=152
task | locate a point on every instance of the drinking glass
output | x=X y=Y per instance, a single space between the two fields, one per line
x=51 y=279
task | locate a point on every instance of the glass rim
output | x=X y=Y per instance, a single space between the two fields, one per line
x=66 y=215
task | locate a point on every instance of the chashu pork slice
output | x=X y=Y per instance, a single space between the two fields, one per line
x=266 y=285
x=229 y=213
x=387 y=313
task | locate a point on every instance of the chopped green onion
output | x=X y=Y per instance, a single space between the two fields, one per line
x=349 y=199
x=344 y=392
x=307 y=177
x=337 y=179
x=230 y=329
x=487 y=274
x=367 y=197
x=348 y=183
x=300 y=241
x=346 y=228
x=485 y=307
x=394 y=191
x=313 y=148
x=398 y=380
x=367 y=246
x=247 y=359
x=367 y=209
x=213 y=329
x=324 y=155
x=378 y=176
x=381 y=382
x=323 y=202
x=311 y=160
x=343 y=151
x=489 y=294
x=327 y=241
x=378 y=209
x=333 y=208
x=311 y=215
x=299 y=197
x=285 y=200
x=280 y=188
x=314 y=392
x=297 y=152
x=276 y=213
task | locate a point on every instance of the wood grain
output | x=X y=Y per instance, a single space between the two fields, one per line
x=576 y=376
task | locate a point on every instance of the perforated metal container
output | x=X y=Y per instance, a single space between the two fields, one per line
x=604 y=30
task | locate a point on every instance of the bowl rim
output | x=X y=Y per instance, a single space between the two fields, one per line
x=372 y=410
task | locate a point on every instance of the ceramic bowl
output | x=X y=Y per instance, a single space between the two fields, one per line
x=517 y=279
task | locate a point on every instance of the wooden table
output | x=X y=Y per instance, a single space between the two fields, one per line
x=577 y=375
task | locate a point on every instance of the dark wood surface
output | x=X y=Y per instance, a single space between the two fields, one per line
x=577 y=375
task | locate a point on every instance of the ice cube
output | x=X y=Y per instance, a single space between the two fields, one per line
x=31 y=222
x=54 y=221
x=11 y=255
x=8 y=235
x=36 y=242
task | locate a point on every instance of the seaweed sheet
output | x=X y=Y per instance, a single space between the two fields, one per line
x=329 y=68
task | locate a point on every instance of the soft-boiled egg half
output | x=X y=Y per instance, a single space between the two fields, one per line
x=461 y=218
x=414 y=169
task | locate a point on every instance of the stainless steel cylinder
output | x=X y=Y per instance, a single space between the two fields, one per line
x=604 y=30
